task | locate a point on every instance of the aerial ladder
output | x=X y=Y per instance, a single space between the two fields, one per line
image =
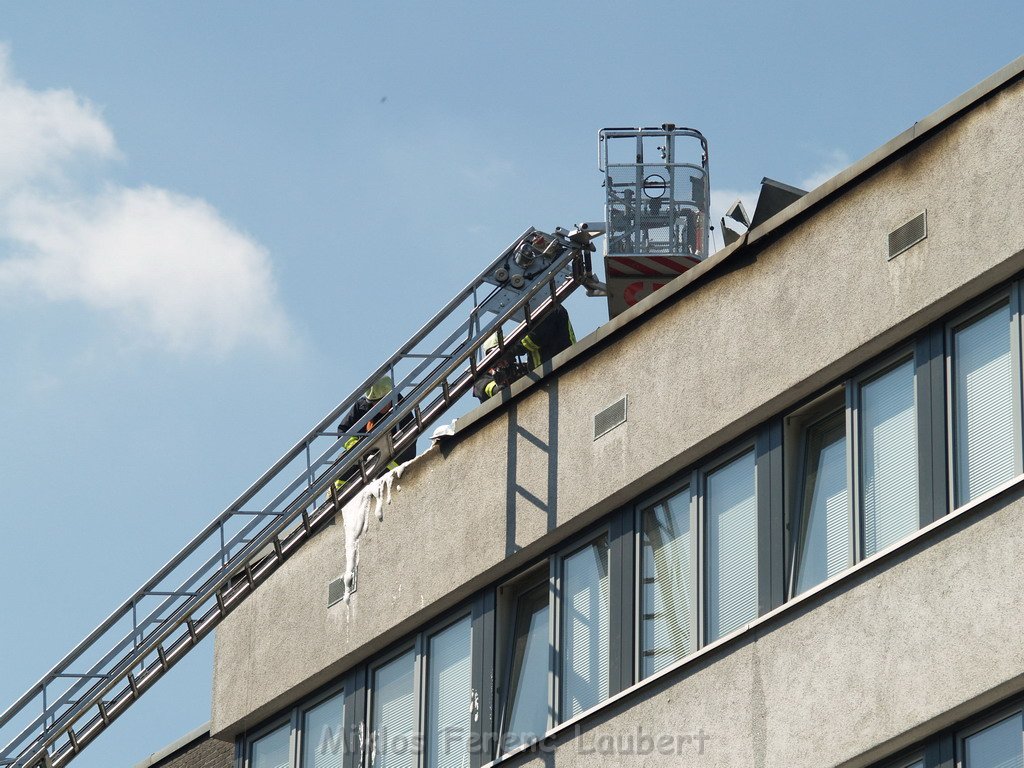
x=173 y=611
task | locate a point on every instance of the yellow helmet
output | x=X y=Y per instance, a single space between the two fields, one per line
x=491 y=342
x=379 y=388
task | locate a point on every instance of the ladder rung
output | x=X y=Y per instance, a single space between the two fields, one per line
x=286 y=521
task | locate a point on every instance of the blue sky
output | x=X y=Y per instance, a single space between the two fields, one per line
x=215 y=219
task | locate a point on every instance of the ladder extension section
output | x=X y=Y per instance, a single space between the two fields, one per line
x=172 y=612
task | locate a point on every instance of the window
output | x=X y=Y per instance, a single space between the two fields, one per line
x=855 y=470
x=527 y=714
x=586 y=624
x=323 y=732
x=393 y=720
x=272 y=750
x=986 y=450
x=564 y=603
x=450 y=696
x=991 y=740
x=825 y=538
x=720 y=574
x=428 y=686
x=889 y=488
x=998 y=746
x=668 y=593
x=732 y=583
x=856 y=487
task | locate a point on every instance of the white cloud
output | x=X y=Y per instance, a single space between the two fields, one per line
x=44 y=131
x=166 y=267
x=166 y=264
x=835 y=161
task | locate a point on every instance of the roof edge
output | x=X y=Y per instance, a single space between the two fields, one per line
x=194 y=735
x=919 y=131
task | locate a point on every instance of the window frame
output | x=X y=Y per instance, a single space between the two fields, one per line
x=915 y=354
x=556 y=604
x=978 y=725
x=505 y=622
x=480 y=613
x=423 y=672
x=927 y=354
x=304 y=707
x=797 y=425
x=288 y=718
x=685 y=480
x=765 y=443
x=394 y=653
x=1011 y=296
x=719 y=461
x=549 y=569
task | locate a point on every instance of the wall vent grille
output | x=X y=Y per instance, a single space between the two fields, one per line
x=911 y=233
x=336 y=592
x=610 y=417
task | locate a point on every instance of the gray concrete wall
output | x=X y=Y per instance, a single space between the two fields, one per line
x=753 y=337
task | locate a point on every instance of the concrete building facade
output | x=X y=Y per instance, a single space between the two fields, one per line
x=769 y=516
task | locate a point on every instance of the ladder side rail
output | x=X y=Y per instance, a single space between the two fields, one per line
x=431 y=324
x=465 y=382
x=60 y=670
x=100 y=668
x=441 y=353
x=541 y=282
x=342 y=408
x=470 y=290
x=285 y=519
x=407 y=435
x=168 y=626
x=189 y=583
x=238 y=505
x=145 y=680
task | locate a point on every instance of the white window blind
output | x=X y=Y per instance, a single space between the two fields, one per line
x=731 y=546
x=586 y=652
x=323 y=734
x=998 y=746
x=668 y=583
x=888 y=426
x=825 y=545
x=394 y=714
x=272 y=750
x=449 y=696
x=983 y=410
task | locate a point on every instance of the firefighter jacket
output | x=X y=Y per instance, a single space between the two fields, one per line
x=549 y=337
x=361 y=407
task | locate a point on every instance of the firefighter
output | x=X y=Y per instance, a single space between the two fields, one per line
x=501 y=374
x=549 y=337
x=379 y=389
